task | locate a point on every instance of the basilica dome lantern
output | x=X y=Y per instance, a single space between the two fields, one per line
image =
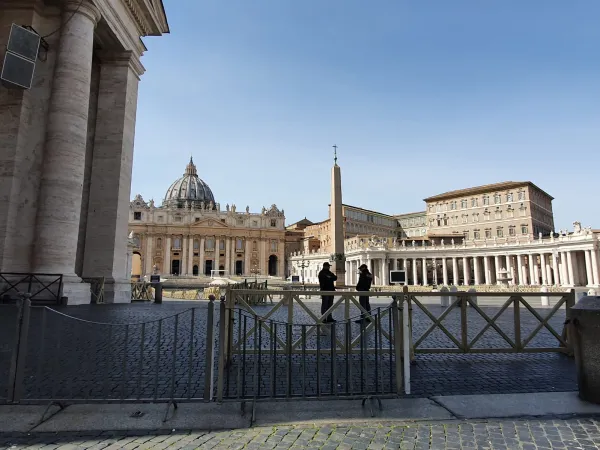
x=189 y=190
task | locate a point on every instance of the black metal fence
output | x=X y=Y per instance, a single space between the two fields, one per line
x=44 y=288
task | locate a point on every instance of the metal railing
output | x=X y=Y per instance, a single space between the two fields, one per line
x=96 y=288
x=42 y=287
x=142 y=291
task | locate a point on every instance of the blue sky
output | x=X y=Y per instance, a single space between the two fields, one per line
x=421 y=96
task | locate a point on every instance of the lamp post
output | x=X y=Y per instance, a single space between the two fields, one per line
x=255 y=270
x=302 y=266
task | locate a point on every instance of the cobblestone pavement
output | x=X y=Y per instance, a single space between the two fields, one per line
x=151 y=357
x=493 y=435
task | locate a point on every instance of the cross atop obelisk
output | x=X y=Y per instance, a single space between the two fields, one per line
x=337 y=223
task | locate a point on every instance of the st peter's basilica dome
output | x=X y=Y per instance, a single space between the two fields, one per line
x=189 y=189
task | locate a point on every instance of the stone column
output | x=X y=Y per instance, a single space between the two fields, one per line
x=148 y=259
x=217 y=253
x=183 y=260
x=531 y=271
x=60 y=198
x=454 y=271
x=466 y=277
x=190 y=262
x=544 y=269
x=520 y=269
x=424 y=270
x=555 y=270
x=201 y=254
x=167 y=261
x=263 y=252
x=227 y=254
x=386 y=272
x=496 y=268
x=536 y=271
x=588 y=268
x=570 y=269
x=486 y=269
x=445 y=271
x=415 y=272
x=476 y=269
x=247 y=253
x=595 y=274
x=510 y=270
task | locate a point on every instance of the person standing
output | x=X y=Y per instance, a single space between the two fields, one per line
x=326 y=283
x=365 y=279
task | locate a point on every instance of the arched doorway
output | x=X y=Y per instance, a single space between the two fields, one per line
x=136 y=265
x=175 y=267
x=272 y=265
x=195 y=270
x=222 y=270
x=239 y=268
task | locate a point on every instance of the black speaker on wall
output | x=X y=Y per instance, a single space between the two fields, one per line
x=19 y=60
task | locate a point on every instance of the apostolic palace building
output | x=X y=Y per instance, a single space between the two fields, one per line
x=191 y=234
x=476 y=236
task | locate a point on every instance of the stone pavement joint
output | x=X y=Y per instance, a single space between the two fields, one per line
x=460 y=435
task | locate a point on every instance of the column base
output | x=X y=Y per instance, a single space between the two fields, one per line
x=76 y=291
x=117 y=291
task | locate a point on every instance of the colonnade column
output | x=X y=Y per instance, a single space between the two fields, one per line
x=184 y=256
x=570 y=269
x=415 y=272
x=63 y=170
x=217 y=253
x=201 y=259
x=167 y=262
x=509 y=269
x=424 y=270
x=588 y=267
x=486 y=269
x=555 y=269
x=386 y=272
x=531 y=272
x=496 y=268
x=543 y=269
x=227 y=255
x=190 y=259
x=466 y=277
x=476 y=269
x=595 y=273
x=247 y=250
x=445 y=271
x=520 y=269
x=454 y=271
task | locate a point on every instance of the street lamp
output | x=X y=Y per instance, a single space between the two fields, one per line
x=302 y=266
x=255 y=270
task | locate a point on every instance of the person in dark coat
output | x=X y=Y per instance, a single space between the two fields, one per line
x=326 y=283
x=365 y=279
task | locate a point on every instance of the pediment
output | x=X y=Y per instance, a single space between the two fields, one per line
x=209 y=223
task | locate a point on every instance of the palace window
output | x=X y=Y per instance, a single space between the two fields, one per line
x=453 y=205
x=486 y=215
x=476 y=217
x=474 y=202
x=221 y=244
x=486 y=200
x=524 y=229
x=497 y=199
x=159 y=242
x=509 y=197
x=467 y=234
x=499 y=232
x=498 y=214
x=445 y=221
x=463 y=203
x=239 y=244
x=177 y=243
x=476 y=234
x=273 y=222
x=273 y=245
x=510 y=213
x=522 y=210
x=177 y=218
x=521 y=195
x=209 y=244
x=137 y=215
x=488 y=233
x=511 y=231
x=240 y=222
x=196 y=244
x=465 y=218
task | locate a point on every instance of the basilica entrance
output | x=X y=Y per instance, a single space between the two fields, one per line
x=239 y=267
x=175 y=267
x=195 y=270
x=272 y=265
x=208 y=267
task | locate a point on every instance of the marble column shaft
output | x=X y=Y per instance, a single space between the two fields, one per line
x=445 y=271
x=455 y=271
x=544 y=269
x=190 y=258
x=588 y=267
x=60 y=198
x=595 y=274
x=201 y=264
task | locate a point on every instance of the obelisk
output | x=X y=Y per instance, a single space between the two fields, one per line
x=337 y=223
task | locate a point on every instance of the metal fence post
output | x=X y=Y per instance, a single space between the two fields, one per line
x=210 y=347
x=223 y=325
x=158 y=297
x=19 y=356
x=397 y=344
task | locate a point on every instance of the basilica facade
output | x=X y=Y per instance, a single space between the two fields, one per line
x=191 y=234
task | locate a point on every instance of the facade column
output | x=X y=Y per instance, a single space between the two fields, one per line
x=190 y=261
x=466 y=277
x=263 y=256
x=454 y=271
x=510 y=270
x=476 y=269
x=588 y=268
x=228 y=255
x=167 y=262
x=424 y=270
x=217 y=253
x=415 y=272
x=248 y=250
x=386 y=272
x=570 y=268
x=520 y=269
x=555 y=270
x=496 y=268
x=201 y=265
x=63 y=170
x=544 y=269
x=595 y=274
x=445 y=271
x=486 y=269
x=148 y=259
x=184 y=255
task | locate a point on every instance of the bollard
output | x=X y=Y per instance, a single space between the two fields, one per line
x=158 y=294
x=545 y=298
x=444 y=297
x=585 y=330
x=453 y=289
